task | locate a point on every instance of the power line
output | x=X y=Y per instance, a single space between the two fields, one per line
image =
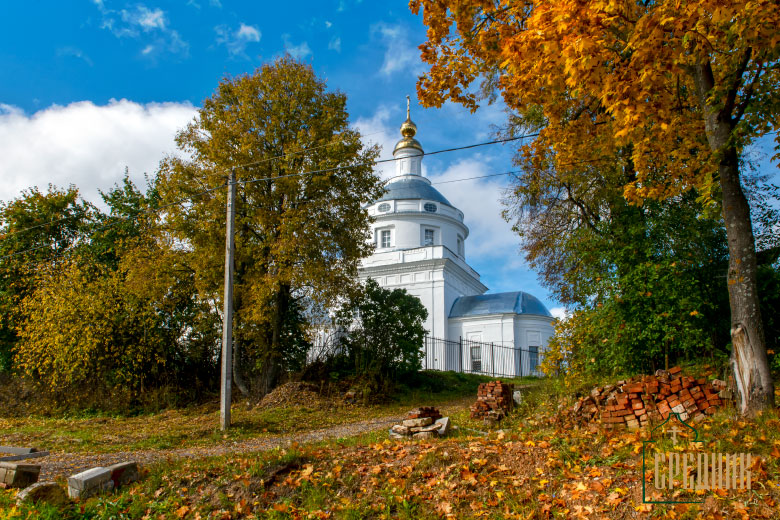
x=355 y=165
x=478 y=177
x=299 y=174
x=267 y=159
x=117 y=220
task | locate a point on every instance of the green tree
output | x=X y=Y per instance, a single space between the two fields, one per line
x=385 y=331
x=644 y=279
x=36 y=230
x=298 y=236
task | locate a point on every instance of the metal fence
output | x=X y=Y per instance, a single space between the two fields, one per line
x=476 y=357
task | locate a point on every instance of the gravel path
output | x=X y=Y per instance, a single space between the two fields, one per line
x=64 y=464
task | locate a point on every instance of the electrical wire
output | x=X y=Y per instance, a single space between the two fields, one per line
x=380 y=161
x=299 y=174
x=225 y=169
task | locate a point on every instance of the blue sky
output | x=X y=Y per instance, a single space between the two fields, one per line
x=89 y=87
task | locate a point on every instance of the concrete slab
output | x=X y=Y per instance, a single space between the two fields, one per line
x=19 y=475
x=90 y=482
x=124 y=473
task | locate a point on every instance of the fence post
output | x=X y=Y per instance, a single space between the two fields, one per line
x=460 y=353
x=521 y=361
x=492 y=359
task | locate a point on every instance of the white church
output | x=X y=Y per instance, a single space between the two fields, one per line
x=420 y=240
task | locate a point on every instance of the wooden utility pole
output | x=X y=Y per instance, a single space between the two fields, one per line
x=227 y=319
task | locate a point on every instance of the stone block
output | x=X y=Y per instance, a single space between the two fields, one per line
x=43 y=492
x=90 y=482
x=443 y=426
x=400 y=429
x=124 y=473
x=425 y=435
x=19 y=475
x=422 y=421
x=517 y=397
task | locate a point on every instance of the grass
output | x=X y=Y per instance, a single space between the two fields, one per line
x=536 y=464
x=199 y=425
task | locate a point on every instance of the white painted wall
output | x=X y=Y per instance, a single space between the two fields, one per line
x=509 y=330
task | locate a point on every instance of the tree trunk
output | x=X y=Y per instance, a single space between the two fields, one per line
x=238 y=377
x=272 y=364
x=748 y=358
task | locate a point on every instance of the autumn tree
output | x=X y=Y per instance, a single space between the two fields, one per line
x=36 y=229
x=304 y=178
x=675 y=90
x=117 y=314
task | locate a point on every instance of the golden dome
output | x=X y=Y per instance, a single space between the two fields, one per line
x=408 y=130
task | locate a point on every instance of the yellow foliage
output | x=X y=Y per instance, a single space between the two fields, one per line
x=84 y=331
x=613 y=74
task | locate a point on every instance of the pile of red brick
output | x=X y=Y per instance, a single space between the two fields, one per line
x=424 y=411
x=493 y=398
x=645 y=399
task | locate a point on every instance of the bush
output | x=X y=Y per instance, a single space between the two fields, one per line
x=385 y=332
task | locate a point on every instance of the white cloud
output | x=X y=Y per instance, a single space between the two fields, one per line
x=145 y=18
x=86 y=145
x=236 y=40
x=335 y=44
x=560 y=312
x=400 y=55
x=328 y=25
x=378 y=130
x=479 y=199
x=76 y=53
x=143 y=23
x=299 y=51
x=248 y=33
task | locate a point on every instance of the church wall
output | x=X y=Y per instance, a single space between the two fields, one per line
x=407 y=234
x=497 y=329
x=532 y=331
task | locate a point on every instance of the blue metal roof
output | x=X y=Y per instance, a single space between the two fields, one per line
x=517 y=302
x=411 y=188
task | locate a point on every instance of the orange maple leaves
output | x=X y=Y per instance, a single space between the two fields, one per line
x=609 y=76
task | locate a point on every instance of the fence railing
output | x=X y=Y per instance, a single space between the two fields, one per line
x=461 y=355
x=476 y=357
